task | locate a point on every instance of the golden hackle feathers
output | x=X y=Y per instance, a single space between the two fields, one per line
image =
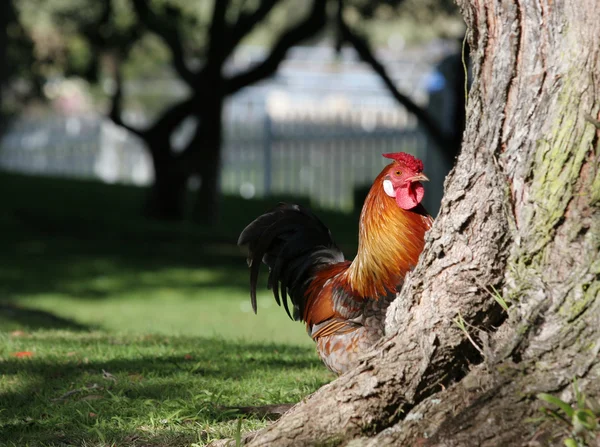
x=390 y=242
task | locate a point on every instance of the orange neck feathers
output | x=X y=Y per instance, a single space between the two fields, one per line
x=390 y=241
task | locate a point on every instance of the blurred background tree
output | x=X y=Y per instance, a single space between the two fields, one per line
x=20 y=78
x=110 y=43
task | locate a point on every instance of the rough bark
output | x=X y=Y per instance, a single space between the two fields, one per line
x=521 y=213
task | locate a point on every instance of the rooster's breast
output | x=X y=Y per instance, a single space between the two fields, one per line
x=341 y=350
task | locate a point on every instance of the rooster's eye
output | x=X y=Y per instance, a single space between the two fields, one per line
x=398 y=173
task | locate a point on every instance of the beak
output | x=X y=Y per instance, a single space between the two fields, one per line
x=419 y=178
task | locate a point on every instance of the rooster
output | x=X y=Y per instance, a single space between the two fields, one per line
x=343 y=303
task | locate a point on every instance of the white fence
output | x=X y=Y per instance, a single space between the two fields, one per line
x=79 y=147
x=320 y=153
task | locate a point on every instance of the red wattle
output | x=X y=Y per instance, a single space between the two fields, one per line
x=407 y=197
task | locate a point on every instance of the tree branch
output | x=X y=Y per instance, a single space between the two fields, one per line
x=117 y=104
x=218 y=27
x=172 y=117
x=167 y=30
x=162 y=127
x=305 y=29
x=361 y=46
x=246 y=23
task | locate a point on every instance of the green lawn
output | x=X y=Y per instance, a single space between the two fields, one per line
x=132 y=332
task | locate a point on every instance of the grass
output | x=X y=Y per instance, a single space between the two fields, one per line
x=118 y=331
x=579 y=426
x=95 y=388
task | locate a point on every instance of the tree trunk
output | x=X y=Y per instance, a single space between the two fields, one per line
x=519 y=222
x=206 y=204
x=166 y=200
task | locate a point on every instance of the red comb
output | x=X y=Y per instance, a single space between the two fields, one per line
x=408 y=160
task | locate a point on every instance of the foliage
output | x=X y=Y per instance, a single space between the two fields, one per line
x=60 y=33
x=17 y=69
x=581 y=424
x=411 y=21
x=56 y=31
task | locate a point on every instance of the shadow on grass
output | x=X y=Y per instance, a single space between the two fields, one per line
x=89 y=243
x=34 y=319
x=92 y=243
x=153 y=388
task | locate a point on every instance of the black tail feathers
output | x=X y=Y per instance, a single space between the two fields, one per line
x=293 y=243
